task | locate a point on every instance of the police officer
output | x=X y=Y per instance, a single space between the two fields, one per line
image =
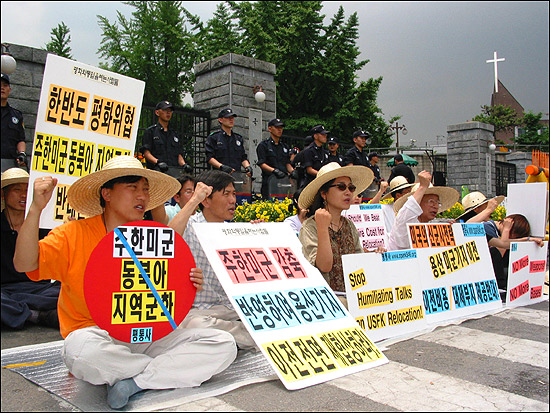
x=225 y=148
x=13 y=131
x=356 y=155
x=299 y=173
x=273 y=156
x=161 y=147
x=334 y=156
x=315 y=156
x=373 y=165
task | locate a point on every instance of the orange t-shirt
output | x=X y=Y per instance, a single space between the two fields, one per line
x=64 y=254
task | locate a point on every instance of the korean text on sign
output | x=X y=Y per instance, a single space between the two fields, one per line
x=112 y=118
x=146 y=242
x=67 y=107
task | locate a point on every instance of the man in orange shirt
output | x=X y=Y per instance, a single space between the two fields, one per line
x=119 y=193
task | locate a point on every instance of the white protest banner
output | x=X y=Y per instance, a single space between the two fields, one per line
x=293 y=316
x=384 y=293
x=369 y=221
x=456 y=270
x=531 y=201
x=86 y=116
x=526 y=273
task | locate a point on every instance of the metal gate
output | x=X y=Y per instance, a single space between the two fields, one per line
x=440 y=171
x=192 y=126
x=505 y=174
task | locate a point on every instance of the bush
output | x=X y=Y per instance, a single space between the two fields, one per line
x=269 y=211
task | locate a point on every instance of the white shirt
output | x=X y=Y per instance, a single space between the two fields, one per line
x=399 y=235
x=294 y=222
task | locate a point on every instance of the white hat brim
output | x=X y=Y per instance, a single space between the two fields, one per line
x=83 y=195
x=360 y=176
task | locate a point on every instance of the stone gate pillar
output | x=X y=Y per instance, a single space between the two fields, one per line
x=228 y=81
x=469 y=160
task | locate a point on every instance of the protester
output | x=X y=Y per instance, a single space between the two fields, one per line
x=165 y=213
x=478 y=208
x=500 y=235
x=326 y=235
x=399 y=186
x=315 y=156
x=421 y=205
x=22 y=299
x=333 y=145
x=378 y=196
x=161 y=146
x=273 y=157
x=119 y=193
x=297 y=219
x=13 y=131
x=216 y=198
x=401 y=169
x=225 y=148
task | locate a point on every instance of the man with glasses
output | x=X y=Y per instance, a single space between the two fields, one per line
x=161 y=147
x=421 y=205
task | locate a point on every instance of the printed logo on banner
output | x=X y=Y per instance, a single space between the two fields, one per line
x=139 y=299
x=473 y=230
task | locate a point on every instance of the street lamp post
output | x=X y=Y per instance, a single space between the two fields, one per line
x=397 y=128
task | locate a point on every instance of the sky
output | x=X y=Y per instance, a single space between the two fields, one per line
x=432 y=55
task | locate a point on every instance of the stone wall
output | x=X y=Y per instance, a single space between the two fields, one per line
x=469 y=160
x=26 y=83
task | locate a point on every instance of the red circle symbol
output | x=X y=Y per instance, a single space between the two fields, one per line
x=118 y=296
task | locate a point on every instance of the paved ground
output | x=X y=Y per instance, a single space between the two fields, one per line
x=498 y=362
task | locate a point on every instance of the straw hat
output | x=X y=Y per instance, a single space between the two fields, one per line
x=396 y=184
x=447 y=197
x=13 y=176
x=360 y=176
x=474 y=199
x=83 y=195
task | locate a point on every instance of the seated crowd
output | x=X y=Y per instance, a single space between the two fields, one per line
x=209 y=336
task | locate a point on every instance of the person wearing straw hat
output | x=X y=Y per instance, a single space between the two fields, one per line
x=478 y=208
x=421 y=205
x=326 y=235
x=119 y=193
x=22 y=299
x=399 y=186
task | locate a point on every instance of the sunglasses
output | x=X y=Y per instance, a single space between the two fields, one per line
x=342 y=186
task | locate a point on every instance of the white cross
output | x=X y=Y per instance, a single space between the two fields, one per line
x=495 y=61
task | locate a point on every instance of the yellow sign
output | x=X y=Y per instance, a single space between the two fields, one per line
x=375 y=297
x=357 y=279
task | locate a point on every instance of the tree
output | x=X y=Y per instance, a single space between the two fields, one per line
x=502 y=117
x=154 y=46
x=59 y=41
x=316 y=64
x=534 y=133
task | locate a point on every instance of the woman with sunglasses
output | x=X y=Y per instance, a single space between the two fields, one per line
x=326 y=235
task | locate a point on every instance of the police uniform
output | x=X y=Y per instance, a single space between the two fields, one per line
x=316 y=157
x=226 y=149
x=275 y=155
x=356 y=157
x=13 y=131
x=163 y=145
x=336 y=158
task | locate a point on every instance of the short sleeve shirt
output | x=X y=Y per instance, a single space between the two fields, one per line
x=227 y=149
x=275 y=155
x=164 y=145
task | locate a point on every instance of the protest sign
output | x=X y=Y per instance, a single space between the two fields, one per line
x=384 y=293
x=86 y=116
x=291 y=313
x=369 y=221
x=137 y=284
x=526 y=273
x=456 y=270
x=531 y=201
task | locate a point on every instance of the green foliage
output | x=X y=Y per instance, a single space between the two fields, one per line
x=269 y=211
x=154 y=46
x=502 y=117
x=59 y=41
x=531 y=127
x=457 y=209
